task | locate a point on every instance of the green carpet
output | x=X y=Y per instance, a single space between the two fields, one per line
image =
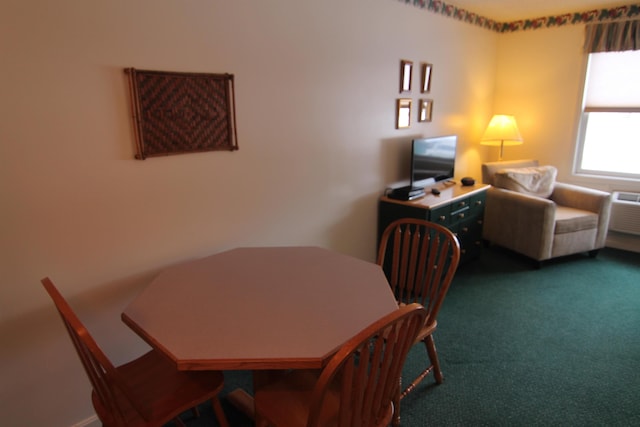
x=524 y=347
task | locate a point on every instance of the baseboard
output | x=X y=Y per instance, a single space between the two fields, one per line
x=88 y=421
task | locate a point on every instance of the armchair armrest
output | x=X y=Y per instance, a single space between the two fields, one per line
x=578 y=197
x=587 y=199
x=520 y=222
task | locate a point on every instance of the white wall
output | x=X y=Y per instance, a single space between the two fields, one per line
x=316 y=84
x=539 y=82
x=540 y=76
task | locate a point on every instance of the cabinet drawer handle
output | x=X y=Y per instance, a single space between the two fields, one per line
x=478 y=202
x=442 y=218
x=461 y=215
x=462 y=204
x=465 y=229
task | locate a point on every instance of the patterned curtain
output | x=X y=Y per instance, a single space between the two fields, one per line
x=613 y=36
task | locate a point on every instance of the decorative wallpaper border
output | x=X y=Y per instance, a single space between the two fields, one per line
x=596 y=15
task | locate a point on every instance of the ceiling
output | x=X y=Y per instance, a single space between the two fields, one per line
x=514 y=10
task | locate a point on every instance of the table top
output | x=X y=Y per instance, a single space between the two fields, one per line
x=449 y=192
x=259 y=308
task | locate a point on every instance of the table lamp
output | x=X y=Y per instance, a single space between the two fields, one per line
x=502 y=130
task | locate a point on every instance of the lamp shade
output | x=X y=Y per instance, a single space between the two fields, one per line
x=502 y=130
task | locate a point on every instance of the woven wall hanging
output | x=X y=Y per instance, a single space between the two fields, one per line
x=177 y=113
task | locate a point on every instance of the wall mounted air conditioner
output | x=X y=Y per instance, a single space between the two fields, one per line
x=625 y=213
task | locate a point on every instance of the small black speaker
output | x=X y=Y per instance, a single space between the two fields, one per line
x=467 y=181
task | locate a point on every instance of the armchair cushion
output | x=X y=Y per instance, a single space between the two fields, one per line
x=569 y=220
x=535 y=181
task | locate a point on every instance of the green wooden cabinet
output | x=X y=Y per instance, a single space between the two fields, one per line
x=460 y=209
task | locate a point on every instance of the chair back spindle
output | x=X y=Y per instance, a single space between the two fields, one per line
x=365 y=372
x=419 y=259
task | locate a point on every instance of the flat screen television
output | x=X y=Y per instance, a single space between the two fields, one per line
x=432 y=160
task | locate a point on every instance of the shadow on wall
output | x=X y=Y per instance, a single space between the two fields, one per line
x=360 y=221
x=362 y=218
x=395 y=160
x=99 y=309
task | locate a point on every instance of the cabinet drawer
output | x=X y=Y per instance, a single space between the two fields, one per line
x=461 y=210
x=476 y=204
x=441 y=215
x=459 y=215
x=460 y=204
x=470 y=236
x=470 y=229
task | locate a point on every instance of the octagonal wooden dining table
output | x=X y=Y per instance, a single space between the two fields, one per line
x=259 y=309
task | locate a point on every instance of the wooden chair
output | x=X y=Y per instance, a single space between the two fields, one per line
x=359 y=387
x=420 y=259
x=148 y=391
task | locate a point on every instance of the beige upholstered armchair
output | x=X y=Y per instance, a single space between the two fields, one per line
x=528 y=212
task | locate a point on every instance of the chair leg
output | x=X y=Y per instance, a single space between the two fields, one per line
x=433 y=356
x=434 y=365
x=217 y=408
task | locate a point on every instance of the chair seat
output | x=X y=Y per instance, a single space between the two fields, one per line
x=426 y=329
x=569 y=220
x=296 y=388
x=160 y=391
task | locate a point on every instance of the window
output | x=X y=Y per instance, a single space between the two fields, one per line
x=609 y=137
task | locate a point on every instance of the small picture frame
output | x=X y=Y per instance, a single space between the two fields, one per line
x=426 y=77
x=403 y=115
x=406 y=71
x=425 y=111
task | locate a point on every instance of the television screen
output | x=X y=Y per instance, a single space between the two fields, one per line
x=432 y=160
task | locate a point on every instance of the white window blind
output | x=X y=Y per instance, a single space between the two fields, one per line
x=613 y=82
